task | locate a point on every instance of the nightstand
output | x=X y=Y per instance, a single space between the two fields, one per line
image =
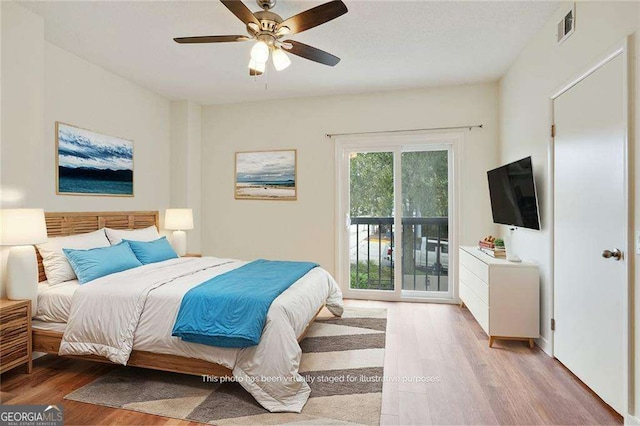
x=192 y=255
x=15 y=334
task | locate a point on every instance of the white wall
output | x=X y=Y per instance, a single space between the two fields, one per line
x=22 y=106
x=85 y=95
x=22 y=110
x=41 y=84
x=186 y=179
x=305 y=229
x=525 y=115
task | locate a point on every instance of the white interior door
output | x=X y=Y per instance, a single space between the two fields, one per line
x=590 y=202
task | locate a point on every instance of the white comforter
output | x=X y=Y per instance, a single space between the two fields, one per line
x=136 y=309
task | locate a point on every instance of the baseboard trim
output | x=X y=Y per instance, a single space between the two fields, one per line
x=545 y=345
x=631 y=420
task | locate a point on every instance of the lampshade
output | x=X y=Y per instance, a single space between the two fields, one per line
x=280 y=59
x=257 y=67
x=178 y=219
x=260 y=52
x=19 y=227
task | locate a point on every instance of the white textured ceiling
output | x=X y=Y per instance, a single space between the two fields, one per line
x=384 y=45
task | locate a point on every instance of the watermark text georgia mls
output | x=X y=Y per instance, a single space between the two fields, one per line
x=31 y=415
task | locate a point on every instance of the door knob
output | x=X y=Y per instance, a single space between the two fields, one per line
x=616 y=254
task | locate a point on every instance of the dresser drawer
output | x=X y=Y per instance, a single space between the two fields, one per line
x=479 y=287
x=475 y=265
x=476 y=306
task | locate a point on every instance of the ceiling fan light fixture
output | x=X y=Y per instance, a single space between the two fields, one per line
x=282 y=31
x=257 y=67
x=280 y=59
x=267 y=28
x=260 y=52
x=253 y=27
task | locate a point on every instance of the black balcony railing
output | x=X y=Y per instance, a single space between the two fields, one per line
x=425 y=259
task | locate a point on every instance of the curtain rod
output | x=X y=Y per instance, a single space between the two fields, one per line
x=479 y=126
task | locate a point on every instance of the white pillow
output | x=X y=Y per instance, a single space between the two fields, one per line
x=116 y=236
x=56 y=266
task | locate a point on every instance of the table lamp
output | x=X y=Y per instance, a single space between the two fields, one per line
x=179 y=220
x=21 y=229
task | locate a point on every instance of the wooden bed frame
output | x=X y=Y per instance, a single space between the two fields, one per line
x=72 y=223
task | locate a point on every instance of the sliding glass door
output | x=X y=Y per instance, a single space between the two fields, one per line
x=371 y=219
x=394 y=210
x=425 y=222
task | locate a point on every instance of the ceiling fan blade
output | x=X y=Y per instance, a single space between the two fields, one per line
x=312 y=53
x=241 y=11
x=314 y=17
x=210 y=39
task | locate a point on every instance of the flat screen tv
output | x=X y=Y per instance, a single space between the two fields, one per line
x=513 y=195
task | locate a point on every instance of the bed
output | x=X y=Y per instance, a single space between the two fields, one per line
x=152 y=346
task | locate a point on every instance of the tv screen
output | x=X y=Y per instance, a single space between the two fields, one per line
x=513 y=195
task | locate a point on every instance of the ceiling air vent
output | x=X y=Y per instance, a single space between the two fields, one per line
x=566 y=25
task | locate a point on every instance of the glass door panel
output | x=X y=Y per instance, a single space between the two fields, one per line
x=425 y=222
x=395 y=202
x=371 y=204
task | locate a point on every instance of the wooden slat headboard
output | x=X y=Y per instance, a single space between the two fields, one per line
x=72 y=223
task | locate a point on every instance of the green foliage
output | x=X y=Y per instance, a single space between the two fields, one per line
x=359 y=280
x=425 y=183
x=372 y=184
x=380 y=279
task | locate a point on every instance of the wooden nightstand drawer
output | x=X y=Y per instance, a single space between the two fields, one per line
x=15 y=334
x=10 y=333
x=13 y=350
x=13 y=314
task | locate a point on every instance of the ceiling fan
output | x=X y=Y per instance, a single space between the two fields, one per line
x=268 y=28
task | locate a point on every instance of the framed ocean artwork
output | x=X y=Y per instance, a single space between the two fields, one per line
x=90 y=163
x=266 y=175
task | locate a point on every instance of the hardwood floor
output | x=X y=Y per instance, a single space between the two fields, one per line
x=469 y=382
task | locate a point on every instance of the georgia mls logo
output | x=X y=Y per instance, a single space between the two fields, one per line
x=31 y=415
x=52 y=407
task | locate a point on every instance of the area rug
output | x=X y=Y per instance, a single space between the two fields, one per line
x=342 y=361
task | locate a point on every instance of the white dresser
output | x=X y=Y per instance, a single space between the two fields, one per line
x=504 y=297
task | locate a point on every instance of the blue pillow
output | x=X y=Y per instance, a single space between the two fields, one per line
x=152 y=251
x=98 y=262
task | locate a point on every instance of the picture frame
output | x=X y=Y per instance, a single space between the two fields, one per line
x=266 y=175
x=89 y=163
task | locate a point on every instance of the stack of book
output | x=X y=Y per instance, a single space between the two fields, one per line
x=491 y=249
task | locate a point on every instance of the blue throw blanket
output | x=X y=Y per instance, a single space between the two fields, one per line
x=230 y=310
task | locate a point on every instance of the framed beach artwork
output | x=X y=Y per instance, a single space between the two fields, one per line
x=266 y=175
x=90 y=163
